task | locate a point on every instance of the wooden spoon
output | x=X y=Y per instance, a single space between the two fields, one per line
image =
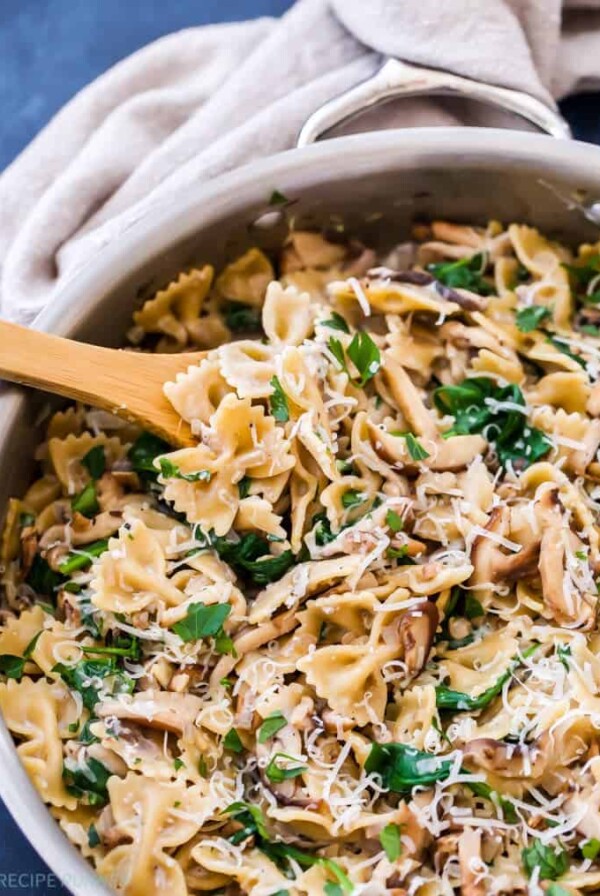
x=129 y=384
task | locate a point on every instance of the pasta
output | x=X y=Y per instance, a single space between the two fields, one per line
x=347 y=642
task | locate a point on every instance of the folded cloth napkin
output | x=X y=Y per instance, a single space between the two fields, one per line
x=204 y=100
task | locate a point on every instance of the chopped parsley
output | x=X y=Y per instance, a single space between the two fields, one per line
x=530 y=318
x=394 y=521
x=278 y=773
x=466 y=273
x=336 y=322
x=390 y=841
x=271 y=725
x=171 y=471
x=363 y=353
x=590 y=849
x=415 y=449
x=352 y=498
x=278 y=402
x=278 y=198
x=552 y=862
x=480 y=405
x=232 y=741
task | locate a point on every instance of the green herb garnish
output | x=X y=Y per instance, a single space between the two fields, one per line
x=87 y=781
x=202 y=621
x=89 y=676
x=95 y=461
x=394 y=521
x=82 y=557
x=446 y=698
x=530 y=318
x=278 y=401
x=277 y=773
x=241 y=318
x=352 y=498
x=250 y=557
x=232 y=741
x=590 y=849
x=336 y=322
x=278 y=198
x=365 y=356
x=415 y=449
x=402 y=767
x=86 y=502
x=479 y=405
x=171 y=471
x=390 y=841
x=93 y=836
x=552 y=863
x=244 y=487
x=466 y=273
x=143 y=453
x=271 y=725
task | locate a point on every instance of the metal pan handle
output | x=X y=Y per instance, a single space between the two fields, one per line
x=397 y=79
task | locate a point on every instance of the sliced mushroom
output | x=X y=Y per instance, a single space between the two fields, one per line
x=565 y=604
x=417 y=631
x=505 y=760
x=165 y=710
x=491 y=564
x=407 y=398
x=251 y=639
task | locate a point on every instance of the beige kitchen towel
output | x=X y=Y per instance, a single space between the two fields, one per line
x=202 y=101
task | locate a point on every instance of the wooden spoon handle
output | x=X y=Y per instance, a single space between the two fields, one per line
x=126 y=383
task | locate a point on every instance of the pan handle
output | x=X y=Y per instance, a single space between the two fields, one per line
x=396 y=78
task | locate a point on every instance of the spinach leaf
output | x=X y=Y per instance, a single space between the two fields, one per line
x=415 y=449
x=394 y=521
x=11 y=666
x=93 y=836
x=250 y=557
x=252 y=819
x=244 y=487
x=271 y=725
x=590 y=849
x=42 y=579
x=232 y=741
x=278 y=198
x=466 y=273
x=82 y=557
x=352 y=498
x=552 y=862
x=253 y=825
x=241 y=318
x=563 y=347
x=87 y=677
x=480 y=788
x=202 y=621
x=278 y=773
x=390 y=841
x=446 y=698
x=143 y=453
x=479 y=405
x=87 y=780
x=365 y=356
x=581 y=276
x=95 y=461
x=530 y=318
x=86 y=502
x=402 y=767
x=557 y=890
x=171 y=471
x=278 y=401
x=336 y=322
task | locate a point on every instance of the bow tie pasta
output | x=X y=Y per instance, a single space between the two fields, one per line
x=348 y=641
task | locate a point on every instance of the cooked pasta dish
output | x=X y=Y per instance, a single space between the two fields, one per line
x=347 y=642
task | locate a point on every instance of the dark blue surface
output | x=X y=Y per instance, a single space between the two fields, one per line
x=49 y=49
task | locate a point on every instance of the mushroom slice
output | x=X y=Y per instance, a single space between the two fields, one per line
x=491 y=564
x=565 y=603
x=165 y=710
x=505 y=760
x=417 y=630
x=407 y=398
